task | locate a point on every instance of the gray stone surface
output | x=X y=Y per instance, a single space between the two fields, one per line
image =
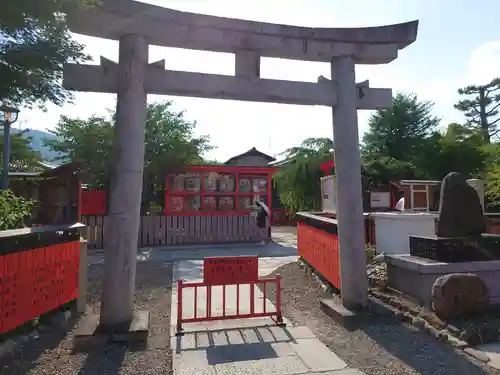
x=415 y=276
x=459 y=295
x=492 y=352
x=171 y=28
x=460 y=210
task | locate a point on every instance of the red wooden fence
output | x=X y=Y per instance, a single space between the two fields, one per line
x=34 y=282
x=321 y=250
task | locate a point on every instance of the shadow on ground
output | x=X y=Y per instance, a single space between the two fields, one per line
x=46 y=337
x=170 y=254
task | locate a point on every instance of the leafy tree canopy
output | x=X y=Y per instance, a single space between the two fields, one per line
x=22 y=156
x=400 y=132
x=34 y=44
x=298 y=180
x=13 y=210
x=170 y=143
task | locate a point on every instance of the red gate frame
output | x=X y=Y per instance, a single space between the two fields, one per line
x=209 y=317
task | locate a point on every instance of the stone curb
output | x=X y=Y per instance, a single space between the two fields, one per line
x=59 y=321
x=477 y=354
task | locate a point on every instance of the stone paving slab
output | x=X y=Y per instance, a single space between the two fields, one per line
x=294 y=356
x=244 y=346
x=492 y=351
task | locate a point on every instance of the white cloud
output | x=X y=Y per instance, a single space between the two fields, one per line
x=484 y=64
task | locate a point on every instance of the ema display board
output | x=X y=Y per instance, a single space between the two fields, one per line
x=230 y=270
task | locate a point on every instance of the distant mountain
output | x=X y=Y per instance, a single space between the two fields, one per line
x=37 y=143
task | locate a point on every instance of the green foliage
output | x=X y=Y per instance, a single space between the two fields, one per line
x=298 y=181
x=34 y=44
x=481 y=110
x=492 y=174
x=170 y=143
x=22 y=156
x=397 y=139
x=403 y=143
x=380 y=170
x=400 y=132
x=13 y=210
x=88 y=142
x=458 y=149
x=370 y=253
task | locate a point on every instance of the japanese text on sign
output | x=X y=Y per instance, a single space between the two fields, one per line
x=230 y=270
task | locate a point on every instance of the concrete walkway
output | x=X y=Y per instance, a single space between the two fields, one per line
x=249 y=346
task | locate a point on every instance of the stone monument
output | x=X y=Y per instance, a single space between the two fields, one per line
x=460 y=210
x=137 y=25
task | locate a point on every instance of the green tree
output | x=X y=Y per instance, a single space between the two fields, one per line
x=492 y=174
x=34 y=44
x=22 y=156
x=87 y=142
x=298 y=179
x=400 y=132
x=397 y=139
x=458 y=149
x=13 y=210
x=481 y=110
x=170 y=143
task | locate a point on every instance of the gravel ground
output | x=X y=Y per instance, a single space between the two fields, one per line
x=50 y=352
x=375 y=349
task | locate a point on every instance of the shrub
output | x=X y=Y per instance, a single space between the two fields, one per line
x=13 y=210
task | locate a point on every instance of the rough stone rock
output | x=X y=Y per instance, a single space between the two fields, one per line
x=458 y=295
x=460 y=210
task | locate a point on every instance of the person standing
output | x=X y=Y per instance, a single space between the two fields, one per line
x=262 y=220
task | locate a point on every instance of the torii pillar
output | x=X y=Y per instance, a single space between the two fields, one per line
x=353 y=279
x=120 y=243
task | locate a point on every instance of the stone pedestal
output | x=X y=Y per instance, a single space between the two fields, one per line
x=415 y=276
x=92 y=336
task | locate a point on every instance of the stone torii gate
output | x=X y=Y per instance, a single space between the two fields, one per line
x=137 y=25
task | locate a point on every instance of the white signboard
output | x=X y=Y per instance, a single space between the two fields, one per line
x=380 y=199
x=329 y=193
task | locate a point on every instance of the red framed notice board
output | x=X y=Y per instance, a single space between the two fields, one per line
x=230 y=270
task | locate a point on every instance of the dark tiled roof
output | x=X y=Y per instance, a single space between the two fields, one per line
x=252 y=152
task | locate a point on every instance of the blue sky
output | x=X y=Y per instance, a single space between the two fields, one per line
x=458 y=44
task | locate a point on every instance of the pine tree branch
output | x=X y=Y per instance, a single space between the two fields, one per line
x=489 y=112
x=494 y=122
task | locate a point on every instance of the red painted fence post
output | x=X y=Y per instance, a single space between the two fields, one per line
x=279 y=317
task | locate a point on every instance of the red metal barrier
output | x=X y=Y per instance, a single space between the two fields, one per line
x=224 y=272
x=34 y=282
x=321 y=250
x=239 y=315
